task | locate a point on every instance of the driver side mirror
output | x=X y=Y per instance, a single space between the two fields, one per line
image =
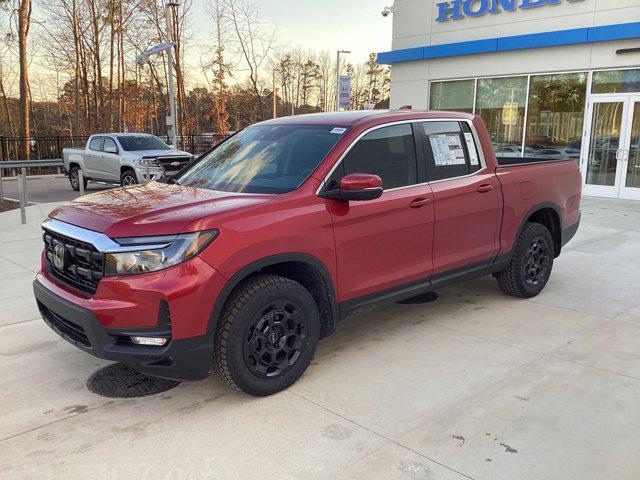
x=356 y=187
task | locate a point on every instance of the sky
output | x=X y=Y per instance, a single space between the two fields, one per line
x=355 y=25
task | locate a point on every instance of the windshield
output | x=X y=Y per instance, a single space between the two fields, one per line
x=264 y=159
x=132 y=143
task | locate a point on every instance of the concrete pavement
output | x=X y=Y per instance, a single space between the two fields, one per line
x=476 y=385
x=47 y=188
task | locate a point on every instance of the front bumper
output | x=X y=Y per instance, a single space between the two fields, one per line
x=182 y=359
x=156 y=173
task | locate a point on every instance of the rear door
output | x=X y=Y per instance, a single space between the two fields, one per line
x=384 y=243
x=93 y=156
x=467 y=204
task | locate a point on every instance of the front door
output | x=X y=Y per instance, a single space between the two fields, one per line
x=611 y=161
x=384 y=243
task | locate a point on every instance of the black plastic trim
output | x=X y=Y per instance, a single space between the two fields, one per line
x=184 y=359
x=368 y=302
x=569 y=232
x=264 y=263
x=531 y=211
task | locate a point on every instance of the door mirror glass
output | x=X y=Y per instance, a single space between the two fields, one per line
x=356 y=187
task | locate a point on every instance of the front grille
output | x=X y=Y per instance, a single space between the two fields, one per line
x=65 y=327
x=82 y=265
x=169 y=163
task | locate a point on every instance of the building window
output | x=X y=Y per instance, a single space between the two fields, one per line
x=501 y=104
x=616 y=81
x=555 y=116
x=455 y=96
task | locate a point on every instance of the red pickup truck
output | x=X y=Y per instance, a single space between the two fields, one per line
x=245 y=259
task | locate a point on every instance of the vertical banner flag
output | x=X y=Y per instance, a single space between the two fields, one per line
x=345 y=92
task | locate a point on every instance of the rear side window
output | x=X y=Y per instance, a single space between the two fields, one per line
x=388 y=152
x=96 y=144
x=450 y=149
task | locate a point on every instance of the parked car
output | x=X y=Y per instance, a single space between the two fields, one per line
x=243 y=261
x=123 y=158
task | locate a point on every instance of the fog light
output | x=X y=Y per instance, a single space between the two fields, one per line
x=152 y=341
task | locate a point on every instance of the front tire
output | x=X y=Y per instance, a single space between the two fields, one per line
x=128 y=178
x=267 y=335
x=74 y=179
x=531 y=263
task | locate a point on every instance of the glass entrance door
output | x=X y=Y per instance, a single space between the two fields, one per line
x=605 y=141
x=631 y=163
x=611 y=162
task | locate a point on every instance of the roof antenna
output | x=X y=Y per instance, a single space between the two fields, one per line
x=406 y=107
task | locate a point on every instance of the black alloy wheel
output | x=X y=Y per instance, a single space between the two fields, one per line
x=274 y=340
x=536 y=262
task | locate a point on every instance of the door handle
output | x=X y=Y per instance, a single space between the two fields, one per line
x=420 y=202
x=484 y=188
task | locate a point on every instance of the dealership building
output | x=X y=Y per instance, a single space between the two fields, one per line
x=552 y=79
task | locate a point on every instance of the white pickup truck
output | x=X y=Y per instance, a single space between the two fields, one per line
x=123 y=158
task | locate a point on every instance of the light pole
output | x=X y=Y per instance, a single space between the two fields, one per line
x=338 y=52
x=173 y=123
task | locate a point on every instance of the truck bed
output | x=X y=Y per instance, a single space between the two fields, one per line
x=555 y=183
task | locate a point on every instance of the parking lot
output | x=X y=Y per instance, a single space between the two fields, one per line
x=47 y=188
x=475 y=385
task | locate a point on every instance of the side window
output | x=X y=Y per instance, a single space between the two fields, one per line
x=472 y=149
x=96 y=144
x=109 y=146
x=388 y=152
x=450 y=149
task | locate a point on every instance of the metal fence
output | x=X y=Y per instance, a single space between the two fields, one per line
x=41 y=148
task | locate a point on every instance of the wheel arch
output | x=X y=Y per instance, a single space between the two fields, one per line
x=125 y=168
x=547 y=214
x=303 y=268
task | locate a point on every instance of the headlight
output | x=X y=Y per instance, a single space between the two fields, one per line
x=176 y=249
x=148 y=162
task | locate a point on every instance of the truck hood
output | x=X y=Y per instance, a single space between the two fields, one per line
x=151 y=209
x=159 y=153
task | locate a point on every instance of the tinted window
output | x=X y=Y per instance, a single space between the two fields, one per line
x=264 y=159
x=450 y=149
x=109 y=145
x=96 y=144
x=388 y=152
x=134 y=143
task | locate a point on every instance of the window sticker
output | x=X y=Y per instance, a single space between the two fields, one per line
x=447 y=149
x=338 y=131
x=471 y=147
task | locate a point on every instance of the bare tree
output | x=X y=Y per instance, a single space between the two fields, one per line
x=253 y=39
x=220 y=71
x=24 y=22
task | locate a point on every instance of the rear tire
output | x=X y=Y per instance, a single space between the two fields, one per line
x=74 y=179
x=128 y=178
x=531 y=263
x=267 y=335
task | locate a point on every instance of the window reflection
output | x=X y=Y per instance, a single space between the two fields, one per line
x=605 y=139
x=616 y=81
x=633 y=165
x=501 y=104
x=556 y=116
x=454 y=96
